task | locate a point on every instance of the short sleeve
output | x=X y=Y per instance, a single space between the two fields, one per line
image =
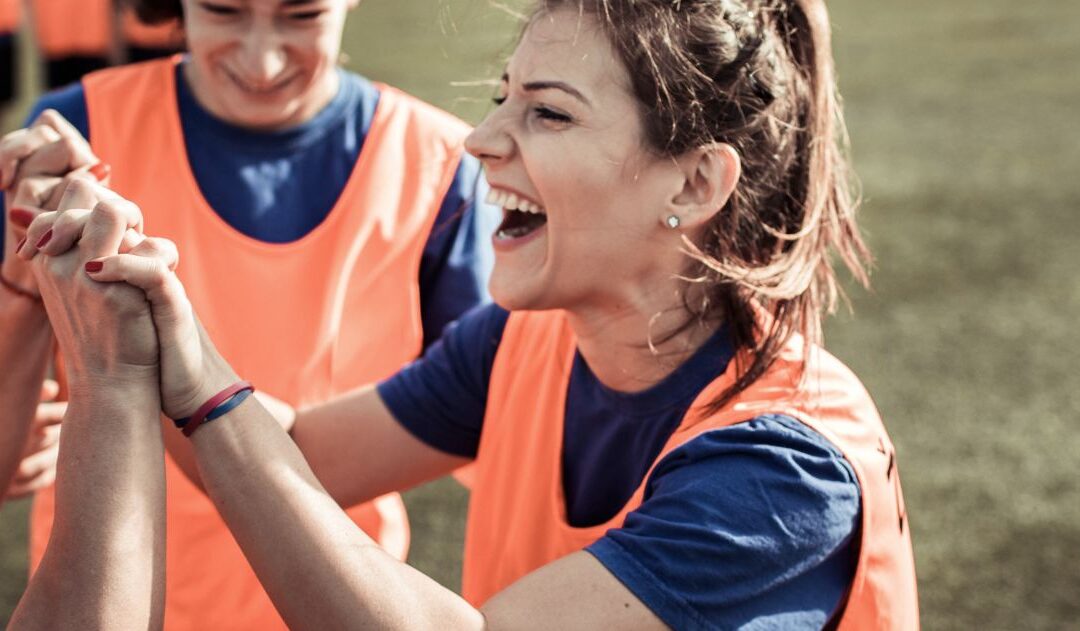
x=458 y=256
x=441 y=397
x=751 y=526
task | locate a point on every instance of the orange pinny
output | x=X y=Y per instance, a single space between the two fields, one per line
x=68 y=28
x=517 y=515
x=303 y=321
x=10 y=15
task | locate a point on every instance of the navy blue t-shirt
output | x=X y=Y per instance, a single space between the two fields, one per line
x=276 y=186
x=752 y=526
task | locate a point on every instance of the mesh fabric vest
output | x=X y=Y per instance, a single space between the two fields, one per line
x=303 y=321
x=517 y=513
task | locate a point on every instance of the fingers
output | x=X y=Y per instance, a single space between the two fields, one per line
x=50 y=389
x=149 y=266
x=34 y=192
x=37 y=469
x=104 y=229
x=52 y=146
x=20 y=144
x=36 y=472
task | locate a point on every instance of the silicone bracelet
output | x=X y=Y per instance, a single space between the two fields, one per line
x=189 y=425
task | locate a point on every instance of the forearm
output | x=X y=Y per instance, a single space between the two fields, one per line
x=288 y=526
x=25 y=345
x=104 y=565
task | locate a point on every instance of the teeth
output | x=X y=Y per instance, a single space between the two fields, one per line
x=511 y=201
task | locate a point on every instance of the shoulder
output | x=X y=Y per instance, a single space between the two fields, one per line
x=765 y=453
x=70 y=101
x=746 y=523
x=427 y=117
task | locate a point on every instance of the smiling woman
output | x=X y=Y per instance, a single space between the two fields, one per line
x=285 y=180
x=659 y=440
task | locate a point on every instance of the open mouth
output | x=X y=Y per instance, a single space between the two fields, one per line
x=521 y=217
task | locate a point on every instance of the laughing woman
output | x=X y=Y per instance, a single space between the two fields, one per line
x=659 y=440
x=302 y=195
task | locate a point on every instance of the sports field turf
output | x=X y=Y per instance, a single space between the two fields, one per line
x=962 y=119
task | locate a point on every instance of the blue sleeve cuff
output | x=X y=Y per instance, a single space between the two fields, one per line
x=674 y=611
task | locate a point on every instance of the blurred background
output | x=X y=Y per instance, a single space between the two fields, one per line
x=963 y=123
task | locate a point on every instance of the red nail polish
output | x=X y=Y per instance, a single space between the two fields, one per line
x=44 y=239
x=21 y=217
x=101 y=170
x=22 y=242
x=93 y=267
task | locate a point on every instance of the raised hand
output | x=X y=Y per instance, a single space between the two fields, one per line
x=49 y=146
x=105 y=332
x=191 y=369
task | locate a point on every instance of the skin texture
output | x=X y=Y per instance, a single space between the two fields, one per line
x=50 y=147
x=608 y=214
x=264 y=64
x=260 y=64
x=610 y=200
x=104 y=565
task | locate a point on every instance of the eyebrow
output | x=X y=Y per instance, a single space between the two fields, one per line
x=536 y=86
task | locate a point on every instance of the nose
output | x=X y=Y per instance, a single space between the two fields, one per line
x=490 y=142
x=264 y=56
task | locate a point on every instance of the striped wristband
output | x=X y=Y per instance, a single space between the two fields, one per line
x=218 y=405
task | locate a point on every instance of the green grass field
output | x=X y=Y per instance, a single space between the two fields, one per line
x=960 y=118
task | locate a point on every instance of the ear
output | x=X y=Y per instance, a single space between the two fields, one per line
x=710 y=173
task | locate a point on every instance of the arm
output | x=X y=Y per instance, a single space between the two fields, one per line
x=104 y=565
x=288 y=525
x=49 y=146
x=25 y=358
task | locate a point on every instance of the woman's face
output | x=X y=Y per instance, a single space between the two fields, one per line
x=566 y=149
x=265 y=64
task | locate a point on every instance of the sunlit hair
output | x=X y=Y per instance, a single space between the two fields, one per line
x=757 y=75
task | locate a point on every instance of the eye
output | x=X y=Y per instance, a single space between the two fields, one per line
x=498 y=100
x=547 y=113
x=307 y=16
x=219 y=9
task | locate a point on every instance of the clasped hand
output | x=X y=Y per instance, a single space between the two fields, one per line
x=119 y=312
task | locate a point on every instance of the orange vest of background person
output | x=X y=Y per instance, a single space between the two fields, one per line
x=303 y=321
x=517 y=515
x=10 y=15
x=67 y=28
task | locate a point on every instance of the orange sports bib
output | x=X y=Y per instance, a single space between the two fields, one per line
x=304 y=321
x=73 y=27
x=10 y=15
x=517 y=513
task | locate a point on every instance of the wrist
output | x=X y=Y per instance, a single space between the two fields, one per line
x=126 y=386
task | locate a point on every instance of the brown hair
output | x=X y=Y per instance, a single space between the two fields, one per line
x=157 y=11
x=757 y=75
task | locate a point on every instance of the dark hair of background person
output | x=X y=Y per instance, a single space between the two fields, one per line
x=157 y=11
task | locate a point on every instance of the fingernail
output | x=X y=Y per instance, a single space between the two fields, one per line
x=101 y=170
x=21 y=217
x=44 y=239
x=93 y=267
x=22 y=242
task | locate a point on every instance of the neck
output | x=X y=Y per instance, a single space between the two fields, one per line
x=630 y=346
